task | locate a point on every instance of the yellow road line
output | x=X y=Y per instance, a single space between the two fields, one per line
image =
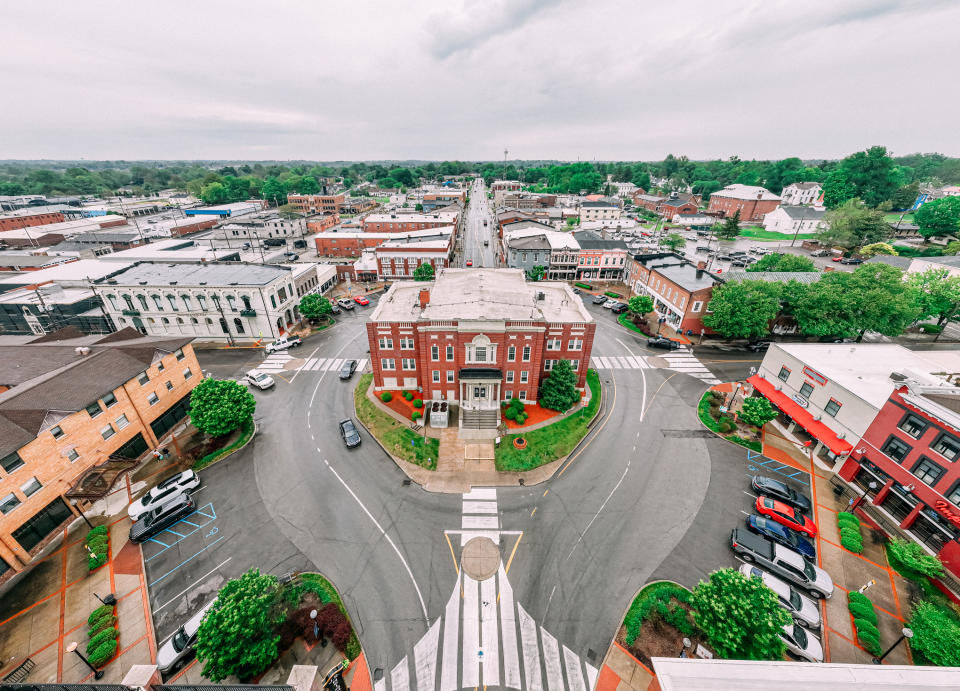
x=452 y=555
x=510 y=560
x=533 y=512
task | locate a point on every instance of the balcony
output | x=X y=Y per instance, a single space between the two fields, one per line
x=248 y=313
x=131 y=313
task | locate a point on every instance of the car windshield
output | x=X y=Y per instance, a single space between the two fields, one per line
x=795 y=601
x=799 y=636
x=180 y=640
x=809 y=571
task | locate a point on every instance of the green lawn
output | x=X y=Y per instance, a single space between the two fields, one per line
x=247 y=429
x=645 y=602
x=768 y=235
x=894 y=218
x=549 y=443
x=397 y=438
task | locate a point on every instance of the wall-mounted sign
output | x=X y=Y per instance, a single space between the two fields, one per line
x=947 y=511
x=801 y=400
x=815 y=376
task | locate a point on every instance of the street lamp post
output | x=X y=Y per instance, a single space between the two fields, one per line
x=904 y=633
x=873 y=486
x=97 y=673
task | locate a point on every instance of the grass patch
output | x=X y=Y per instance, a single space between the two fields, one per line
x=751 y=444
x=554 y=441
x=330 y=321
x=713 y=424
x=769 y=235
x=397 y=438
x=326 y=593
x=912 y=251
x=625 y=320
x=645 y=603
x=247 y=429
x=894 y=218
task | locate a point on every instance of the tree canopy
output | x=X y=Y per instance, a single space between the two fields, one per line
x=424 y=272
x=743 y=309
x=219 y=406
x=782 y=262
x=741 y=617
x=852 y=225
x=870 y=175
x=938 y=294
x=559 y=390
x=939 y=217
x=873 y=249
x=313 y=306
x=730 y=228
x=673 y=242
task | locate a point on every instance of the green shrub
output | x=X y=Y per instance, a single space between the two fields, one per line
x=407 y=395
x=99 y=530
x=510 y=414
x=585 y=286
x=103 y=636
x=851 y=539
x=936 y=633
x=386 y=397
x=847 y=518
x=862 y=611
x=94 y=563
x=725 y=426
x=516 y=404
x=912 y=561
x=101 y=611
x=869 y=642
x=855 y=597
x=418 y=403
x=866 y=628
x=416 y=415
x=931 y=328
x=98 y=543
x=100 y=625
x=100 y=655
x=522 y=418
x=611 y=294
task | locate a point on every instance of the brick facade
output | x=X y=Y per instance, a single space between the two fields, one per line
x=750 y=209
x=401 y=225
x=45 y=457
x=317 y=203
x=319 y=224
x=41 y=219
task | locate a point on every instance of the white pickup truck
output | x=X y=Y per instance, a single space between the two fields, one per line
x=283 y=343
x=259 y=379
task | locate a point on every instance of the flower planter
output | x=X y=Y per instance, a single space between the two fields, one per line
x=519 y=443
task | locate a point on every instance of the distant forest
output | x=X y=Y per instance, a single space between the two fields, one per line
x=872 y=175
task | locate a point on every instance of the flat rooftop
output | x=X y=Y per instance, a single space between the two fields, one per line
x=482 y=294
x=865 y=368
x=213 y=274
x=69 y=272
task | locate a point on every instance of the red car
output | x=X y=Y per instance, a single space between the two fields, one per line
x=469 y=263
x=836 y=259
x=785 y=515
x=362 y=301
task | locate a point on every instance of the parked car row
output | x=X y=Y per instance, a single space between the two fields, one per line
x=606 y=302
x=775 y=547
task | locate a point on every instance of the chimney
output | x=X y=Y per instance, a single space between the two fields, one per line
x=760 y=194
x=424 y=298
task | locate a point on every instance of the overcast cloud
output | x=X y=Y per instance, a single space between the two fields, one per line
x=552 y=79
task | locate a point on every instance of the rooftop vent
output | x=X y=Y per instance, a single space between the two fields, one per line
x=896 y=376
x=541 y=296
x=173 y=283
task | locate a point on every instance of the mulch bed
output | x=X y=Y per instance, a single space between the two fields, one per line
x=402 y=406
x=534 y=412
x=656 y=641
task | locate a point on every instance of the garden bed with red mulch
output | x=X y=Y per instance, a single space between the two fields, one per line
x=534 y=413
x=400 y=405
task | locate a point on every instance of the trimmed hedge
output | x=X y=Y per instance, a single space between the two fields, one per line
x=844 y=517
x=101 y=624
x=611 y=294
x=101 y=655
x=861 y=611
x=99 y=530
x=98 y=640
x=585 y=286
x=510 y=414
x=99 y=612
x=416 y=415
x=851 y=539
x=522 y=417
x=386 y=397
x=407 y=395
x=418 y=403
x=864 y=621
x=98 y=542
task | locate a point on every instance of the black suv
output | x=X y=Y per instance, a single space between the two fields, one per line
x=663 y=342
x=619 y=308
x=162 y=517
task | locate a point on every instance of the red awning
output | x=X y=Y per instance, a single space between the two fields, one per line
x=800 y=415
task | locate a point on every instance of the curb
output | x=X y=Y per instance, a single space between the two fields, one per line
x=256 y=428
x=720 y=436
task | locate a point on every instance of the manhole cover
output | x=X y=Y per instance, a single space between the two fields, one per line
x=480 y=558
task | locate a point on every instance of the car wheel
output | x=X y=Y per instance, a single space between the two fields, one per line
x=747 y=557
x=816 y=594
x=799 y=622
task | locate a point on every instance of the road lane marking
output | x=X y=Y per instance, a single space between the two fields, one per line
x=195 y=583
x=303 y=366
x=425 y=658
x=531 y=654
x=479 y=522
x=489 y=633
x=451 y=629
x=514 y=551
x=471 y=633
x=591 y=675
x=185 y=561
x=508 y=627
x=574 y=673
x=481 y=493
x=400 y=676
x=479 y=507
x=551 y=661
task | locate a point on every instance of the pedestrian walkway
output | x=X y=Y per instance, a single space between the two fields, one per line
x=485 y=638
x=284 y=362
x=680 y=360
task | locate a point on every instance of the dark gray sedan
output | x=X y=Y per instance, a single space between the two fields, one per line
x=349 y=433
x=348 y=368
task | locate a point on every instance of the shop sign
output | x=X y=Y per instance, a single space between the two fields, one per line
x=815 y=376
x=801 y=400
x=944 y=508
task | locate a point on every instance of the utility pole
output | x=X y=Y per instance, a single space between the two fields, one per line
x=505 y=163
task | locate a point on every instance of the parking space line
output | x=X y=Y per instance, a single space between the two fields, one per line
x=153 y=539
x=189 y=523
x=175 y=532
x=177 y=596
x=152 y=583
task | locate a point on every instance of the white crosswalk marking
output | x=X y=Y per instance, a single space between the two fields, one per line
x=490 y=643
x=425 y=658
x=574 y=673
x=508 y=625
x=380 y=686
x=361 y=364
x=531 y=655
x=591 y=675
x=337 y=364
x=451 y=629
x=481 y=493
x=551 y=661
x=400 y=676
x=680 y=360
x=482 y=522
x=471 y=633
x=479 y=507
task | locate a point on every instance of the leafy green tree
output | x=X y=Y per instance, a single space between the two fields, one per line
x=939 y=217
x=308 y=185
x=744 y=309
x=238 y=635
x=273 y=191
x=854 y=225
x=424 y=272
x=757 y=411
x=219 y=406
x=418 y=207
x=730 y=228
x=740 y=616
x=536 y=273
x=640 y=305
x=313 y=306
x=214 y=193
x=938 y=294
x=875 y=248
x=905 y=196
x=870 y=175
x=838 y=189
x=705 y=187
x=936 y=634
x=783 y=262
x=910 y=556
x=673 y=242
x=559 y=390
x=641 y=178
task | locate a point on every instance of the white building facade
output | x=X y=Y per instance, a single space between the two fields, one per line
x=799 y=193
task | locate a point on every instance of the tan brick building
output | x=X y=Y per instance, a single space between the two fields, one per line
x=317 y=203
x=74 y=415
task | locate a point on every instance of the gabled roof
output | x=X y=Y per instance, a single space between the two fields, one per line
x=747 y=192
x=804 y=213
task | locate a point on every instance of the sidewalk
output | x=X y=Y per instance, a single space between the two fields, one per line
x=47 y=610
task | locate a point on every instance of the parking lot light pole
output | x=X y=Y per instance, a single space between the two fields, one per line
x=873 y=486
x=904 y=633
x=97 y=673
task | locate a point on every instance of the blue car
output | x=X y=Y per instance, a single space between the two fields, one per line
x=782 y=534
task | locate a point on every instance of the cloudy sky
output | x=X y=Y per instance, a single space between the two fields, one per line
x=405 y=79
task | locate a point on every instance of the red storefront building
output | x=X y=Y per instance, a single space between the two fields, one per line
x=477 y=337
x=887 y=420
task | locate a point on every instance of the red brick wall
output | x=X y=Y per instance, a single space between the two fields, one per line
x=750 y=209
x=14 y=222
x=345 y=246
x=180 y=231
x=318 y=225
x=398 y=225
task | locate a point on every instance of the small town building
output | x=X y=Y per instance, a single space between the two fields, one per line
x=680 y=289
x=435 y=199
x=251 y=206
x=354 y=243
x=795 y=219
x=317 y=203
x=751 y=201
x=500 y=188
x=405 y=223
x=527 y=245
x=600 y=258
x=476 y=338
x=599 y=211
x=802 y=193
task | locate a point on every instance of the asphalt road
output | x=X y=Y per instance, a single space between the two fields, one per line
x=650 y=495
x=475 y=232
